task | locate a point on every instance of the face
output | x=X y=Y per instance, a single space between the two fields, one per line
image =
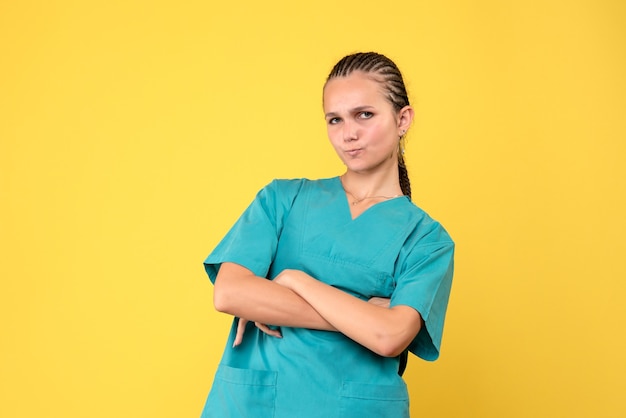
x=363 y=126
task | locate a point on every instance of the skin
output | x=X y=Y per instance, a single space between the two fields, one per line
x=364 y=129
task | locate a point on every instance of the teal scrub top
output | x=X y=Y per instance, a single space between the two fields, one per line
x=393 y=250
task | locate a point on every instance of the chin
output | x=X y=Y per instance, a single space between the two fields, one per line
x=358 y=169
x=366 y=168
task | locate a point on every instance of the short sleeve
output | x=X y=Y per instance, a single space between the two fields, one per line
x=424 y=284
x=253 y=239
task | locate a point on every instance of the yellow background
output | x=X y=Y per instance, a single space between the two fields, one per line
x=133 y=134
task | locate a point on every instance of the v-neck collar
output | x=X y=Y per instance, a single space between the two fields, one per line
x=346 y=204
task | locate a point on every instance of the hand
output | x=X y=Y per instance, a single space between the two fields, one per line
x=283 y=278
x=241 y=329
x=292 y=279
x=378 y=301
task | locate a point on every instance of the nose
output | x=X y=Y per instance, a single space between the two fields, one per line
x=349 y=131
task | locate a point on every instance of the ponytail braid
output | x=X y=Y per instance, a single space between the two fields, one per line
x=403 y=176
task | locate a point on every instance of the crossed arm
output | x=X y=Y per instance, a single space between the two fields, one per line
x=296 y=299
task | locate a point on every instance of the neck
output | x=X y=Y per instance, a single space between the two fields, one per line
x=362 y=185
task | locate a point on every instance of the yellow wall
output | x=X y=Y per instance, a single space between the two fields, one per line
x=132 y=134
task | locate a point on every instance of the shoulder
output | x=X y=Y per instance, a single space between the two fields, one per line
x=426 y=230
x=283 y=192
x=292 y=187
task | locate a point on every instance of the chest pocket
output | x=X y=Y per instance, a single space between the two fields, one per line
x=357 y=256
x=357 y=279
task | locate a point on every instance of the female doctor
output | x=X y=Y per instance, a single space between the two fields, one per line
x=332 y=281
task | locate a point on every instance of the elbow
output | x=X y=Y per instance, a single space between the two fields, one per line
x=222 y=299
x=390 y=348
x=227 y=295
x=395 y=335
x=392 y=344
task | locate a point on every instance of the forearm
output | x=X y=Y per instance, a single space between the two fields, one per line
x=240 y=293
x=386 y=331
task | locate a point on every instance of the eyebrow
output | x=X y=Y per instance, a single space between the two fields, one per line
x=353 y=110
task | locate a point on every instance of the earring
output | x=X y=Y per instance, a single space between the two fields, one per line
x=401 y=142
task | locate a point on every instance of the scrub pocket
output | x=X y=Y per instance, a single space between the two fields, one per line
x=239 y=393
x=362 y=400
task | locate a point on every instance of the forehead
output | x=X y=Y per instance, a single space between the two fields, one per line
x=356 y=89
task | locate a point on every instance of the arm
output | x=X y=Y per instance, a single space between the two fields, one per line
x=240 y=293
x=385 y=331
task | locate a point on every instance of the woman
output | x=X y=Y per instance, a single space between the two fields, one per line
x=347 y=270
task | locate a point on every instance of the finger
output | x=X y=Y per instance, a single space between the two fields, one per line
x=241 y=329
x=269 y=331
x=266 y=329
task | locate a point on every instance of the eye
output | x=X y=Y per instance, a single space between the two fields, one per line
x=333 y=121
x=366 y=115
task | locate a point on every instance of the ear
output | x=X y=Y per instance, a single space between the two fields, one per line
x=405 y=118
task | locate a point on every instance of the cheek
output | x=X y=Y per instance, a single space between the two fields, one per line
x=384 y=132
x=379 y=133
x=333 y=135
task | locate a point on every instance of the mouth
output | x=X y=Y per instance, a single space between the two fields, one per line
x=353 y=152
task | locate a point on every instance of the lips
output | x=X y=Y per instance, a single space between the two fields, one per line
x=353 y=152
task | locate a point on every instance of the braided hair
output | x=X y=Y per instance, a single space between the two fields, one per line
x=387 y=74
